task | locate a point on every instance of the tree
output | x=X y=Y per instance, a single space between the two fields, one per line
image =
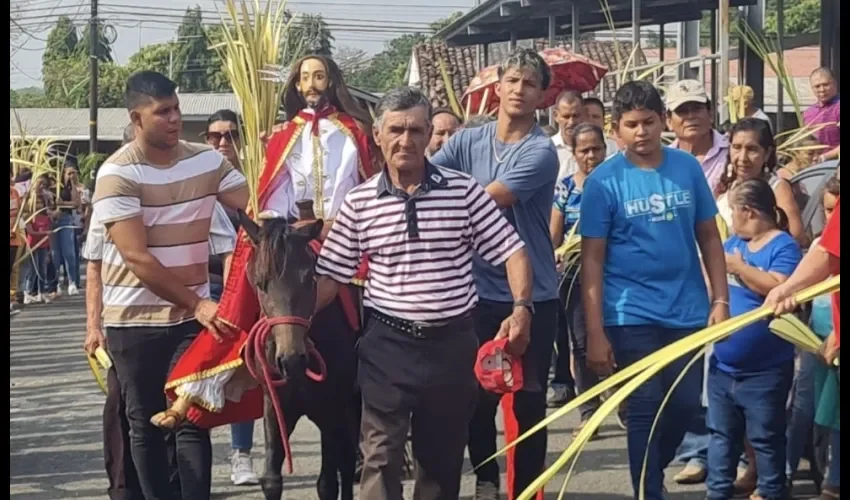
x=62 y=41
x=154 y=57
x=350 y=60
x=67 y=84
x=194 y=58
x=31 y=97
x=386 y=70
x=310 y=34
x=103 y=48
x=801 y=16
x=439 y=24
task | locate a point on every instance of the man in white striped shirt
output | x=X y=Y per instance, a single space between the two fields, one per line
x=420 y=225
x=156 y=199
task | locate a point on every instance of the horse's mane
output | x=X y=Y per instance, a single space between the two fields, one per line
x=270 y=257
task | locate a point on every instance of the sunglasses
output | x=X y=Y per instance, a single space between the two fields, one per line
x=214 y=138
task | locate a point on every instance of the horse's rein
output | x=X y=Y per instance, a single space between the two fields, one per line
x=254 y=354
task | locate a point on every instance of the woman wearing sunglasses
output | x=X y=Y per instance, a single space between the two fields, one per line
x=223 y=135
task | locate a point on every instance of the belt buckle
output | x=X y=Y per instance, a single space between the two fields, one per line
x=416 y=329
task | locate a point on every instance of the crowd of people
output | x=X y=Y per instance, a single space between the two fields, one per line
x=460 y=227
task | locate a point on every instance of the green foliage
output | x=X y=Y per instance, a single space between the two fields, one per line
x=153 y=57
x=88 y=163
x=67 y=84
x=801 y=16
x=31 y=97
x=439 y=24
x=387 y=69
x=62 y=41
x=104 y=48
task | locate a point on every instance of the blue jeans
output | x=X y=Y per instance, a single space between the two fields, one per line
x=694 y=447
x=802 y=419
x=36 y=272
x=241 y=434
x=64 y=249
x=631 y=344
x=750 y=405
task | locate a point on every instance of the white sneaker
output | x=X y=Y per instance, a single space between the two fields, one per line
x=30 y=299
x=72 y=290
x=242 y=469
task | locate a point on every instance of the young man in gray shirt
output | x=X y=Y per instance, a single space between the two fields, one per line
x=517 y=164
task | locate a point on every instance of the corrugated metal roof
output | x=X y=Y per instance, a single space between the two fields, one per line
x=66 y=123
x=206 y=104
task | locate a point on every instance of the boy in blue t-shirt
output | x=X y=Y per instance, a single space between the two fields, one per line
x=645 y=217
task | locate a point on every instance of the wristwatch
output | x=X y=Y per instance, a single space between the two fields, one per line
x=526 y=304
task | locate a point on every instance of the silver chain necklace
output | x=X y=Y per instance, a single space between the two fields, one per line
x=511 y=148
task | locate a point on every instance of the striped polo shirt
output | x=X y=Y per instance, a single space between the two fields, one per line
x=419 y=246
x=176 y=205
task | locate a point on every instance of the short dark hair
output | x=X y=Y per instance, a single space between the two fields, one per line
x=833 y=186
x=146 y=85
x=527 y=59
x=223 y=115
x=594 y=101
x=586 y=128
x=636 y=95
x=445 y=111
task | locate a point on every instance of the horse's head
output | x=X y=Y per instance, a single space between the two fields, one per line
x=283 y=272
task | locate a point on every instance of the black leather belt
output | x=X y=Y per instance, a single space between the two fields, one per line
x=416 y=329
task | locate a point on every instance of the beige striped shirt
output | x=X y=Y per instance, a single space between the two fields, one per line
x=176 y=205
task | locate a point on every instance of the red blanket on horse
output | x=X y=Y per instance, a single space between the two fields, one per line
x=239 y=304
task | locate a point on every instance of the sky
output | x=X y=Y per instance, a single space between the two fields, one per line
x=365 y=25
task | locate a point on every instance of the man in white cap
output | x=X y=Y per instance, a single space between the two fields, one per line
x=690 y=117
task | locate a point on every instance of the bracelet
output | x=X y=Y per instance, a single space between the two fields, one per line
x=720 y=302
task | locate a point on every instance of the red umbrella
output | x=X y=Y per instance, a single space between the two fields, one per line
x=569 y=72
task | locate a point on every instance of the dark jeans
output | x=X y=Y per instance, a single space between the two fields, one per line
x=631 y=344
x=426 y=385
x=142 y=357
x=750 y=405
x=561 y=359
x=585 y=378
x=529 y=403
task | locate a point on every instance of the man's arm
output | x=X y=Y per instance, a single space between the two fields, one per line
x=94 y=307
x=537 y=168
x=131 y=240
x=340 y=256
x=593 y=254
x=232 y=187
x=235 y=198
x=714 y=260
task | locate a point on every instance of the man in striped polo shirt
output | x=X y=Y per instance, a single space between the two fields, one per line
x=420 y=226
x=518 y=164
x=156 y=198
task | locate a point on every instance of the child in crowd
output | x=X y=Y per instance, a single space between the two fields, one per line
x=645 y=216
x=751 y=372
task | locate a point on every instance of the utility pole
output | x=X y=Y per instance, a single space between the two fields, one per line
x=94 y=38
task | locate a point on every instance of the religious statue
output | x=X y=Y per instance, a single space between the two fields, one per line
x=322 y=152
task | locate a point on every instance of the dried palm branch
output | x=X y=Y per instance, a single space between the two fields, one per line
x=253 y=42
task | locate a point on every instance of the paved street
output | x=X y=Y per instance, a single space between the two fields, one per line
x=55 y=426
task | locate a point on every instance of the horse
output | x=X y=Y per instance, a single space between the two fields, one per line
x=283 y=273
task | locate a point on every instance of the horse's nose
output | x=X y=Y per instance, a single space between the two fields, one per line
x=294 y=366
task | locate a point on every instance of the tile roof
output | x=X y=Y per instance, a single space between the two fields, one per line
x=461 y=63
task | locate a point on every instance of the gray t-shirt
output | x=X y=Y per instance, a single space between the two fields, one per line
x=529 y=169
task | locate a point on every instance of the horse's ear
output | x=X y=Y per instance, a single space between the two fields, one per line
x=312 y=230
x=251 y=228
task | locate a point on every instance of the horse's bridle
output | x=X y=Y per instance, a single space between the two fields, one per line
x=254 y=355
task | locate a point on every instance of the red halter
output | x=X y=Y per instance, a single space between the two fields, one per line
x=255 y=354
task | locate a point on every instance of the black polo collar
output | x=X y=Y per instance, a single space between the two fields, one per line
x=434 y=179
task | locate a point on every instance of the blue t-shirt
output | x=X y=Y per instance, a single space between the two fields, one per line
x=652 y=274
x=755 y=348
x=568 y=202
x=528 y=169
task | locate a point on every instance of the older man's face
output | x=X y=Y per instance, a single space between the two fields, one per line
x=824 y=87
x=403 y=137
x=445 y=125
x=568 y=115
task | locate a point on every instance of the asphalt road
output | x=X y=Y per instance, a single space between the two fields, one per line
x=55 y=427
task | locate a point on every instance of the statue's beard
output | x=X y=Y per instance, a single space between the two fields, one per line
x=314 y=102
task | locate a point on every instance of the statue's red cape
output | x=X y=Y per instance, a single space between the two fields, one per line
x=239 y=305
